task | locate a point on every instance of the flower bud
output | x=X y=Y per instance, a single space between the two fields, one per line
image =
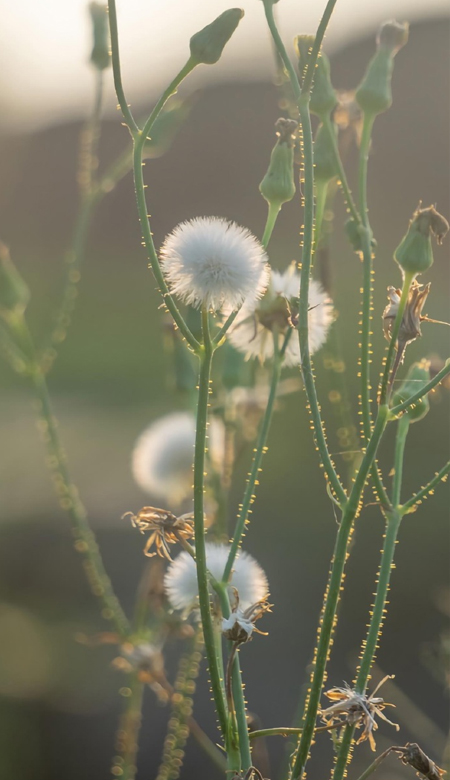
x=100 y=55
x=374 y=94
x=415 y=253
x=14 y=293
x=208 y=44
x=323 y=97
x=418 y=376
x=355 y=232
x=278 y=185
x=324 y=159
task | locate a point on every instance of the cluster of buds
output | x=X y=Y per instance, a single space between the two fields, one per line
x=164 y=528
x=357 y=709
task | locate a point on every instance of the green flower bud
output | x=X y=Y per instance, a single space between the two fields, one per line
x=415 y=253
x=374 y=94
x=323 y=97
x=418 y=376
x=14 y=293
x=208 y=44
x=355 y=232
x=324 y=160
x=278 y=185
x=100 y=55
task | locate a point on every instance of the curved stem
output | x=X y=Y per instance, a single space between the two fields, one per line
x=150 y=247
x=396 y=410
x=216 y=675
x=85 y=542
x=127 y=115
x=320 y=34
x=171 y=90
x=274 y=210
x=427 y=490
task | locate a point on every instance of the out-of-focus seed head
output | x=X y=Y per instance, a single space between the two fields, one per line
x=208 y=44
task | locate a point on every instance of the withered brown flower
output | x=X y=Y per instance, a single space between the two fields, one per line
x=240 y=625
x=358 y=710
x=412 y=317
x=164 y=527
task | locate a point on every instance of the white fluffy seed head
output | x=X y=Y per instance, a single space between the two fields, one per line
x=211 y=262
x=247 y=577
x=251 y=332
x=163 y=456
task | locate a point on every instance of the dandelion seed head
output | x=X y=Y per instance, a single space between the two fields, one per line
x=248 y=578
x=252 y=331
x=164 y=454
x=210 y=262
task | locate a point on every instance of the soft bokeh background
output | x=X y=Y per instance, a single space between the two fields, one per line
x=59 y=701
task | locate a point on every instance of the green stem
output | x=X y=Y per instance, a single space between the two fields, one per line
x=85 y=542
x=386 y=385
x=396 y=410
x=116 y=68
x=375 y=764
x=259 y=451
x=274 y=210
x=393 y=520
x=302 y=98
x=150 y=246
x=416 y=499
x=216 y=675
x=124 y=762
x=171 y=90
x=321 y=199
x=320 y=34
x=328 y=123
x=328 y=617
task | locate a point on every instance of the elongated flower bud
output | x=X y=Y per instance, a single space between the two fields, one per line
x=374 y=95
x=323 y=97
x=418 y=376
x=278 y=185
x=415 y=252
x=324 y=160
x=14 y=293
x=100 y=55
x=208 y=44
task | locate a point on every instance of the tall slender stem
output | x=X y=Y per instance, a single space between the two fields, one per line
x=378 y=611
x=128 y=731
x=216 y=675
x=328 y=617
x=128 y=116
x=424 y=492
x=85 y=542
x=340 y=168
x=424 y=390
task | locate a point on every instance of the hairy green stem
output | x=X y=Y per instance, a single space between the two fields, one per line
x=411 y=504
x=216 y=674
x=321 y=199
x=386 y=383
x=444 y=372
x=124 y=762
x=332 y=595
x=129 y=119
x=375 y=764
x=259 y=451
x=327 y=121
x=85 y=542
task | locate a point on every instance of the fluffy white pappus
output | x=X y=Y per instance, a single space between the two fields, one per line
x=211 y=262
x=247 y=577
x=163 y=456
x=252 y=333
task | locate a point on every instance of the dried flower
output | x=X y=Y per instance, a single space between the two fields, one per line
x=164 y=527
x=240 y=625
x=412 y=317
x=164 y=454
x=357 y=709
x=414 y=756
x=247 y=578
x=348 y=116
x=147 y=660
x=252 y=332
x=211 y=262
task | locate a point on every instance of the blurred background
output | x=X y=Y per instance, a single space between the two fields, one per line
x=59 y=699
